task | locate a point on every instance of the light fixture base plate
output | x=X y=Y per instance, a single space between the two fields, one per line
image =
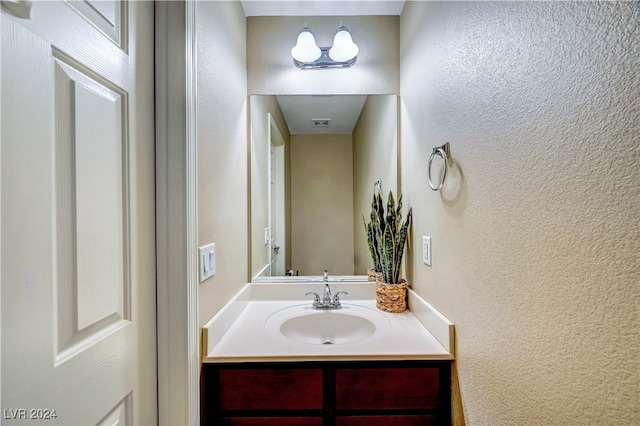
x=324 y=62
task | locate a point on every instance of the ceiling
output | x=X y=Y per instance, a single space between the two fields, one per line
x=321 y=8
x=342 y=110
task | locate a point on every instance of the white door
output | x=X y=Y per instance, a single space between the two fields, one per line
x=77 y=213
x=276 y=200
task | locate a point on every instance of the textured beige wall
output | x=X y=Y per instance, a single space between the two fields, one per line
x=321 y=204
x=535 y=235
x=260 y=107
x=222 y=148
x=375 y=156
x=271 y=69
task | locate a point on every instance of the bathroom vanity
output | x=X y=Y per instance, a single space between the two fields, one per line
x=327 y=393
x=269 y=358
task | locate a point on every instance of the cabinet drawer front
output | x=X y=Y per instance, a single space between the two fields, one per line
x=383 y=388
x=270 y=389
x=273 y=421
x=425 y=420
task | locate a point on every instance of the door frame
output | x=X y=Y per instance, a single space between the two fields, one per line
x=176 y=215
x=278 y=230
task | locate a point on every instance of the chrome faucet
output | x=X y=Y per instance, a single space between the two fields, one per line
x=328 y=301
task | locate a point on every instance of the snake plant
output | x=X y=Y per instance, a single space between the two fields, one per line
x=391 y=235
x=373 y=241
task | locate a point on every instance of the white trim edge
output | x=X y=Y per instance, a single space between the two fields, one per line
x=218 y=325
x=193 y=329
x=441 y=328
x=176 y=216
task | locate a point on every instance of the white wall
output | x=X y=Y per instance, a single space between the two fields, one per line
x=535 y=235
x=322 y=204
x=271 y=69
x=222 y=148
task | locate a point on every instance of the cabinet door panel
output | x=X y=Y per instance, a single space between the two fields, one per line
x=423 y=420
x=270 y=389
x=361 y=388
x=273 y=421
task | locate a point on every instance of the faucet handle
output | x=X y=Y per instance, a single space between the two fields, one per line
x=336 y=297
x=316 y=297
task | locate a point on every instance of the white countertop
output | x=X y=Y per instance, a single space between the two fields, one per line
x=238 y=333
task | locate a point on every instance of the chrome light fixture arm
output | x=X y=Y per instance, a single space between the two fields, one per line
x=324 y=62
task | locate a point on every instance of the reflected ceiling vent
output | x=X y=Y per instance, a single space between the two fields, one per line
x=321 y=122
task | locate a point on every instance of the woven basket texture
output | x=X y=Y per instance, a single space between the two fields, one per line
x=391 y=297
x=372 y=275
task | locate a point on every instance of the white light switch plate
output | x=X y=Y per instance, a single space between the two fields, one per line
x=207 y=261
x=267 y=236
x=426 y=250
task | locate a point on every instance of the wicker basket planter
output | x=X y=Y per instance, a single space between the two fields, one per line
x=372 y=275
x=391 y=297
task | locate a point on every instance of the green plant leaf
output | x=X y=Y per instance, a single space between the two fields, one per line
x=400 y=244
x=391 y=214
x=389 y=254
x=377 y=224
x=399 y=212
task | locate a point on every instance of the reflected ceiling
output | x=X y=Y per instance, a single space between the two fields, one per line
x=321 y=114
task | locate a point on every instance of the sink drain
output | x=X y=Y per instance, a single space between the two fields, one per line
x=327 y=343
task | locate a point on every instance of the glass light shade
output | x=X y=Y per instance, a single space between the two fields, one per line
x=343 y=48
x=306 y=49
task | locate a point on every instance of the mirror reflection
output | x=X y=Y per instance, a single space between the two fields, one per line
x=314 y=161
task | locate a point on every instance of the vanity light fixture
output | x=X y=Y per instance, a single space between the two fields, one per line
x=306 y=50
x=307 y=55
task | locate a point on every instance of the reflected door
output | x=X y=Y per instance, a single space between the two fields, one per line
x=77 y=214
x=277 y=245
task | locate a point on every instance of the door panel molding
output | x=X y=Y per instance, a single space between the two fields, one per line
x=91 y=181
x=120 y=414
x=110 y=18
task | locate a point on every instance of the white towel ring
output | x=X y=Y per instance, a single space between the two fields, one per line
x=444 y=152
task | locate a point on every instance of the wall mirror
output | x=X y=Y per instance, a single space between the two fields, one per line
x=314 y=163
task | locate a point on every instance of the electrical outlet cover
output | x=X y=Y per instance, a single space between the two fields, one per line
x=426 y=250
x=207 y=261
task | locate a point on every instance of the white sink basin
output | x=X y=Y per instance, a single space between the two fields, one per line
x=304 y=324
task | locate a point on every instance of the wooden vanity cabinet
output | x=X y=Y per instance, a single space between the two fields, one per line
x=340 y=393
